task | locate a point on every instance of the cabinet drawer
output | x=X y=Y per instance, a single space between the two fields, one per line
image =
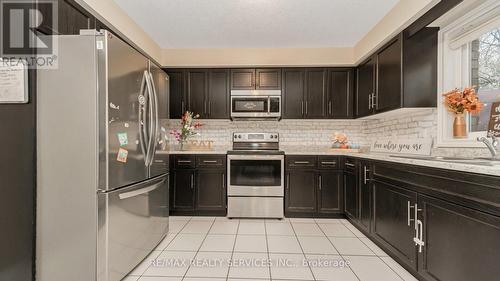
x=350 y=164
x=184 y=162
x=301 y=161
x=211 y=161
x=328 y=162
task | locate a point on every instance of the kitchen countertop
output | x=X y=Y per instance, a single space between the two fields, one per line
x=322 y=150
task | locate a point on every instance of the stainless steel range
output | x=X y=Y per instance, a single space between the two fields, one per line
x=255 y=176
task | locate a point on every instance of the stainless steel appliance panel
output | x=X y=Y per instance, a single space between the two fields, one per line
x=255 y=175
x=255 y=104
x=137 y=220
x=67 y=163
x=255 y=207
x=127 y=94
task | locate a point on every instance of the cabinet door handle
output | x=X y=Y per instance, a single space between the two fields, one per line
x=374 y=101
x=209 y=107
x=370 y=101
x=182 y=107
x=366 y=171
x=301 y=162
x=287 y=181
x=184 y=161
x=328 y=163
x=205 y=106
x=302 y=108
x=320 y=184
x=409 y=213
x=419 y=230
x=350 y=165
x=192 y=181
x=223 y=181
x=210 y=161
x=306 y=108
x=330 y=107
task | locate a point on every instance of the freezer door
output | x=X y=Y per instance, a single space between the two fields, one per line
x=127 y=95
x=160 y=81
x=136 y=222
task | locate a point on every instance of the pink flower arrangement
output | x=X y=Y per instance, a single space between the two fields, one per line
x=188 y=127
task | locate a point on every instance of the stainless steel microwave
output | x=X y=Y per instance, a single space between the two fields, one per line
x=256 y=104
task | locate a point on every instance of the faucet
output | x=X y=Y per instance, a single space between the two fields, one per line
x=491 y=145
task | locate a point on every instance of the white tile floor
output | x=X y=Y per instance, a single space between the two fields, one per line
x=219 y=249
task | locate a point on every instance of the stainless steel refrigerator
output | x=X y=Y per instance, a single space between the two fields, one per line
x=102 y=168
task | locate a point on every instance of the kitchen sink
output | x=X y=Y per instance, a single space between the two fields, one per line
x=483 y=161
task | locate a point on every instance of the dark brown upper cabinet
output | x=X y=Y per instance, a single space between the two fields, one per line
x=304 y=93
x=197 y=89
x=218 y=102
x=242 y=79
x=71 y=18
x=389 y=74
x=268 y=78
x=365 y=89
x=401 y=74
x=178 y=104
x=202 y=91
x=315 y=99
x=340 y=93
x=293 y=93
x=256 y=79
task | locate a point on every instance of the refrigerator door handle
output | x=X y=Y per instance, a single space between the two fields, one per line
x=142 y=118
x=156 y=119
x=138 y=192
x=151 y=122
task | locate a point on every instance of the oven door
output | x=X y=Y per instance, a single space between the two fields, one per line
x=256 y=175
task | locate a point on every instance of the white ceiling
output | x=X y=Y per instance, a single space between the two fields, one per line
x=256 y=23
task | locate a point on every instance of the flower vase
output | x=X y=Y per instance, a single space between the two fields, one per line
x=182 y=145
x=459 y=126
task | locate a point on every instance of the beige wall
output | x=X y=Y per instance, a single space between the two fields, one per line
x=111 y=14
x=403 y=13
x=260 y=56
x=400 y=17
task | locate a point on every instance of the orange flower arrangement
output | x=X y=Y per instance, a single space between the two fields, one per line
x=463 y=101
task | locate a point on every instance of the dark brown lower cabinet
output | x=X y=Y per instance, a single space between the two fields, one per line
x=365 y=196
x=198 y=185
x=460 y=244
x=300 y=193
x=330 y=193
x=351 y=194
x=210 y=191
x=183 y=190
x=392 y=225
x=313 y=187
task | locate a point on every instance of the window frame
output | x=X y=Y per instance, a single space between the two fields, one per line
x=454 y=67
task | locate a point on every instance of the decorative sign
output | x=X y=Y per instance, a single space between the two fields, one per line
x=200 y=144
x=494 y=125
x=13 y=83
x=396 y=145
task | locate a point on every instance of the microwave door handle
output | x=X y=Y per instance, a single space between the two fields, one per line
x=156 y=120
x=268 y=105
x=142 y=118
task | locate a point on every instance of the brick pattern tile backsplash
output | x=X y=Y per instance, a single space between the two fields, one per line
x=421 y=124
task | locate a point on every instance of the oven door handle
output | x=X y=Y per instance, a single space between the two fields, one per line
x=256 y=157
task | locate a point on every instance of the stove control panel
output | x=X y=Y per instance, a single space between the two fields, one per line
x=255 y=137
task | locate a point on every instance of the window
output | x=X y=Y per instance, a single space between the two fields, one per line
x=469 y=55
x=485 y=75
